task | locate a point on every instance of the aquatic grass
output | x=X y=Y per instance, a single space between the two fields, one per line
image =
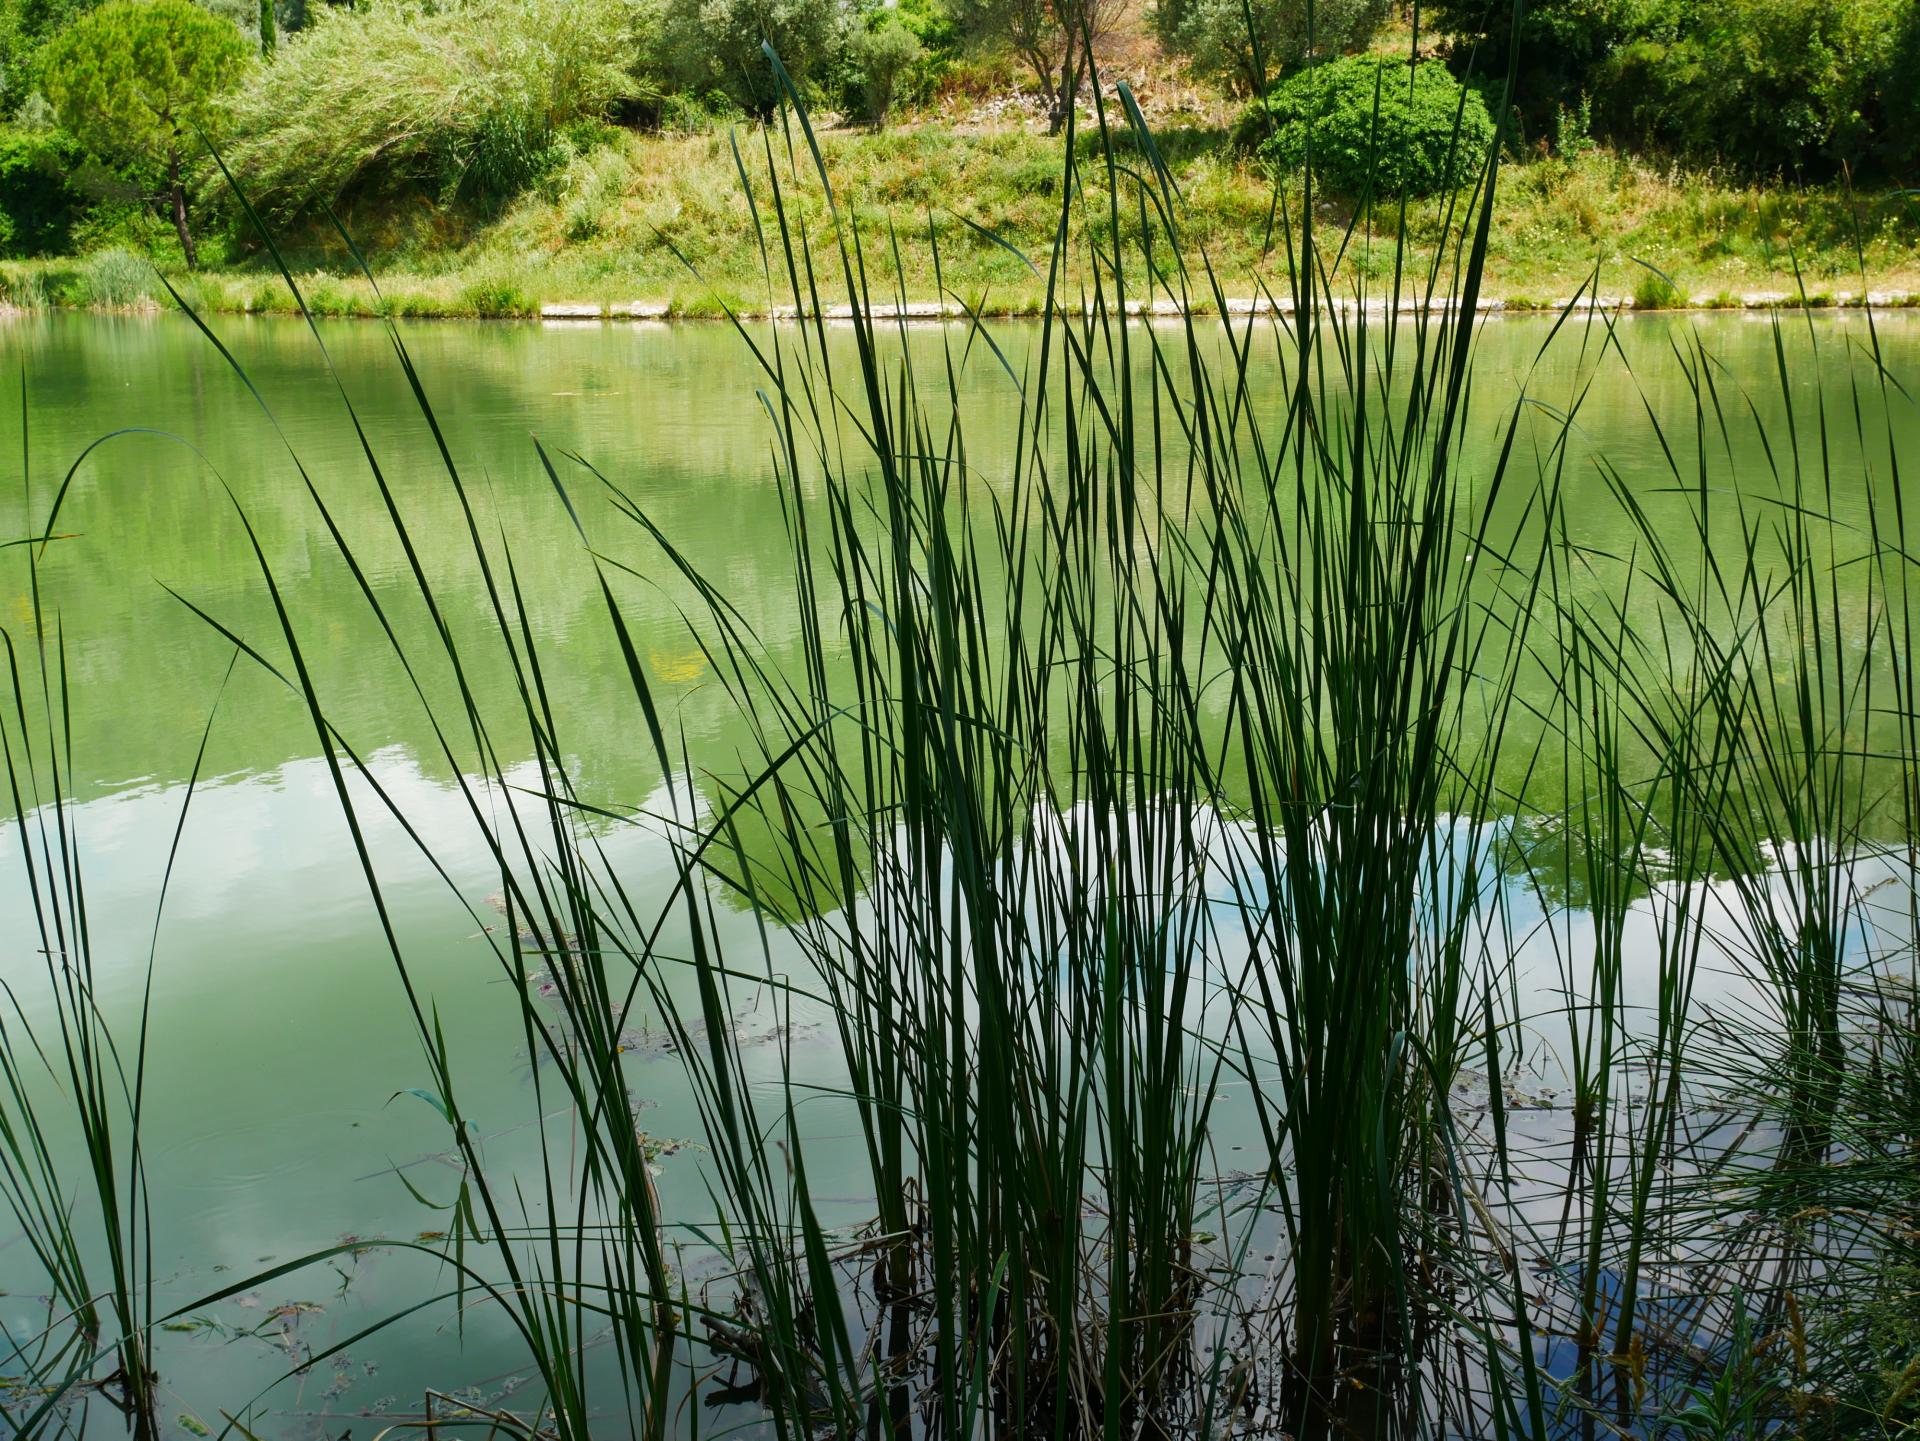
x=1333 y=884
x=574 y=1274
x=71 y=1165
x=116 y=279
x=1030 y=1034
x=1169 y=764
x=988 y=783
x=1758 y=703
x=1796 y=694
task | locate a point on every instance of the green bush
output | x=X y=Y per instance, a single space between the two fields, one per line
x=25 y=28
x=715 y=45
x=1560 y=42
x=1214 y=34
x=471 y=99
x=1653 y=291
x=113 y=280
x=1767 y=85
x=139 y=83
x=698 y=114
x=118 y=221
x=1403 y=129
x=1573 y=129
x=1899 y=139
x=38 y=200
x=881 y=57
x=932 y=25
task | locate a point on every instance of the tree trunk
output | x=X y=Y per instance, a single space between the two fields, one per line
x=1060 y=102
x=179 y=195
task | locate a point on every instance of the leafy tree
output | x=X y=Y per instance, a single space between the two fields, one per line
x=38 y=199
x=882 y=53
x=715 y=45
x=1050 y=37
x=1561 y=43
x=1768 y=85
x=135 y=81
x=1384 y=124
x=1899 y=148
x=1215 y=36
x=476 y=99
x=25 y=27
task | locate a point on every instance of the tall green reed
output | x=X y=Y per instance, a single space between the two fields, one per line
x=1167 y=756
x=74 y=1065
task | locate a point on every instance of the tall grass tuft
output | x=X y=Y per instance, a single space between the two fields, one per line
x=72 y=1071
x=1158 y=778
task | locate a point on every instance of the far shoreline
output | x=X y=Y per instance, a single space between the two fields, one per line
x=584 y=314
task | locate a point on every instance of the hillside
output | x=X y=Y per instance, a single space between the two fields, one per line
x=662 y=220
x=624 y=206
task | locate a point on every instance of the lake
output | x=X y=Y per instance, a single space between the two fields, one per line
x=280 y=1109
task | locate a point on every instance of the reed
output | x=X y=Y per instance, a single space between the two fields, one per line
x=1167 y=772
x=74 y=1069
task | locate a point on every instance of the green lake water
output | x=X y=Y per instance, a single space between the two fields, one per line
x=279 y=1040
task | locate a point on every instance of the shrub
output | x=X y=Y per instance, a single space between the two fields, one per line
x=1404 y=129
x=137 y=82
x=882 y=55
x=114 y=279
x=1560 y=42
x=715 y=45
x=1653 y=291
x=931 y=22
x=698 y=114
x=1214 y=34
x=496 y=298
x=1767 y=85
x=1899 y=146
x=473 y=98
x=25 y=28
x=117 y=221
x=38 y=199
x=1573 y=129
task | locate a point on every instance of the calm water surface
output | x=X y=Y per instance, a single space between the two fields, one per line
x=279 y=1041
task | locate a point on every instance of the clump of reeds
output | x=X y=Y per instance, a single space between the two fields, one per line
x=1172 y=754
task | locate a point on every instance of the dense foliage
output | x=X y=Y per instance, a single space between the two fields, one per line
x=1771 y=84
x=475 y=98
x=714 y=45
x=1368 y=123
x=1764 y=85
x=140 y=82
x=412 y=105
x=881 y=55
x=37 y=195
x=25 y=28
x=1559 y=43
x=1215 y=34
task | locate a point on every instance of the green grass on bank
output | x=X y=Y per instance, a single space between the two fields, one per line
x=635 y=218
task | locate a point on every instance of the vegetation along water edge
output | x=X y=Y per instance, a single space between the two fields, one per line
x=499 y=157
x=1270 y=875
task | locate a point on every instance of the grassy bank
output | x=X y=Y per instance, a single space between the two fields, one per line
x=663 y=220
